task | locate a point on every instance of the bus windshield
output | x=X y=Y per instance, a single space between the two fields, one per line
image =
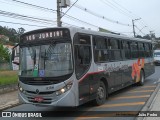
x=52 y=60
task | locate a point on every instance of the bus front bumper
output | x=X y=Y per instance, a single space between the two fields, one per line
x=65 y=100
x=38 y=95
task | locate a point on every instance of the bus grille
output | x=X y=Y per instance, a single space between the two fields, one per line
x=41 y=93
x=45 y=100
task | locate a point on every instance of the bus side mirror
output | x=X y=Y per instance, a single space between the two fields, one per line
x=15 y=54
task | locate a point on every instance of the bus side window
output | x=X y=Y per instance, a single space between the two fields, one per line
x=134 y=49
x=147 y=51
x=100 y=49
x=114 y=51
x=151 y=50
x=141 y=49
x=126 y=53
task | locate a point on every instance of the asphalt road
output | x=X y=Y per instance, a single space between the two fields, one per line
x=132 y=98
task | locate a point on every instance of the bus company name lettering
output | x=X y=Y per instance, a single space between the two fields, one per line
x=115 y=68
x=44 y=35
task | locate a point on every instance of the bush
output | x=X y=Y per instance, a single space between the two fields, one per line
x=8 y=77
x=4 y=54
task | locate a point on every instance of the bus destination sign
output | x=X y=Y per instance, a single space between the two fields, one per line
x=45 y=35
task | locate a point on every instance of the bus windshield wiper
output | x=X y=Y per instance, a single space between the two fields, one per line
x=34 y=58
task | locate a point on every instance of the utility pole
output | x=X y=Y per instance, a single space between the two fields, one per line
x=62 y=4
x=134 y=26
x=59 y=23
x=152 y=34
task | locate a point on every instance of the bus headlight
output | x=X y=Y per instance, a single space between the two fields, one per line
x=21 y=89
x=64 y=89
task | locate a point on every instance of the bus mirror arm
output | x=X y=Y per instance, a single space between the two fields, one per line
x=14 y=62
x=13 y=54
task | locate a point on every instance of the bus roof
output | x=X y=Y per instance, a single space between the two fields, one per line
x=106 y=34
x=91 y=32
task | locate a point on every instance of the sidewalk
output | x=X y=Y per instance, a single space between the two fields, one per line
x=8 y=100
x=155 y=107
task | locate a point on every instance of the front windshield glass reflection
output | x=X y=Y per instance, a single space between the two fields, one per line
x=46 y=60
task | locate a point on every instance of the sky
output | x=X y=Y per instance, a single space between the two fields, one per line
x=123 y=11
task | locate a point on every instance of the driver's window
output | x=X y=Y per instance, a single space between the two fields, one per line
x=82 y=49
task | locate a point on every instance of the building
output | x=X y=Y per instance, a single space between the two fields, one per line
x=14 y=66
x=4 y=37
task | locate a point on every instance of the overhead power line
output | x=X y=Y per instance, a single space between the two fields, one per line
x=22 y=24
x=105 y=2
x=101 y=16
x=140 y=30
x=121 y=9
x=69 y=8
x=51 y=10
x=25 y=17
x=32 y=5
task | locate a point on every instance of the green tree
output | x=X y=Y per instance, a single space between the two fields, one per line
x=12 y=34
x=138 y=36
x=147 y=37
x=4 y=54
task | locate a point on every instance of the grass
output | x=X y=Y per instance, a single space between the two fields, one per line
x=8 y=77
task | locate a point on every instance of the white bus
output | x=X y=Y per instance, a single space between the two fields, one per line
x=157 y=57
x=71 y=66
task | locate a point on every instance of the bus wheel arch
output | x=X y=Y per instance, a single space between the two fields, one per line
x=102 y=92
x=106 y=85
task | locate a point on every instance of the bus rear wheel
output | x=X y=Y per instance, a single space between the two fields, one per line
x=142 y=77
x=101 y=94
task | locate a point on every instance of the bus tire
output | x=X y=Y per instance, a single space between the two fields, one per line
x=101 y=94
x=142 y=77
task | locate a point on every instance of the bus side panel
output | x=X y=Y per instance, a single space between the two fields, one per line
x=88 y=87
x=126 y=73
x=84 y=90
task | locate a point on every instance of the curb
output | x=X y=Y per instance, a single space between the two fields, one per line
x=9 y=105
x=149 y=104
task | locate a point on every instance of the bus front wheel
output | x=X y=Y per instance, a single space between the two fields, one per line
x=101 y=94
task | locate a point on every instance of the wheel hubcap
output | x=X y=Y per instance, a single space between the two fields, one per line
x=142 y=79
x=100 y=92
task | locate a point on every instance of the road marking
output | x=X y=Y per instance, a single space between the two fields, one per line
x=152 y=86
x=121 y=104
x=104 y=115
x=129 y=97
x=139 y=91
